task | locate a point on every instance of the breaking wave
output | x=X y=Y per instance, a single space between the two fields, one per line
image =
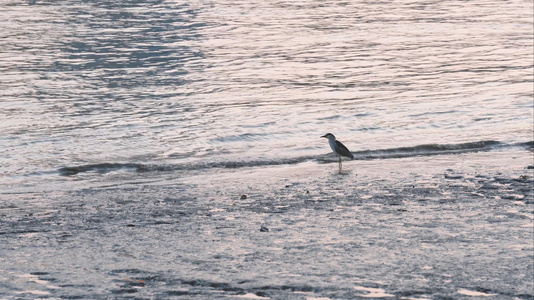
x=401 y=152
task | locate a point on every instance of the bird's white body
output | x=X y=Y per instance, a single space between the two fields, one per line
x=338 y=148
x=332 y=143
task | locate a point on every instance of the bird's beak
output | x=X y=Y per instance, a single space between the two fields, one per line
x=324 y=136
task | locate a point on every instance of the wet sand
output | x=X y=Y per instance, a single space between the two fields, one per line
x=443 y=227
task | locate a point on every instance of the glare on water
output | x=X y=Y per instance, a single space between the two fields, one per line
x=189 y=82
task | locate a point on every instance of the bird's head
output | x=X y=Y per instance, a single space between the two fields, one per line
x=329 y=136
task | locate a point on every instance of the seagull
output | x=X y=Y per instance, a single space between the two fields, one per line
x=338 y=148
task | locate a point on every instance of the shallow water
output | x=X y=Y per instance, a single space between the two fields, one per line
x=146 y=143
x=254 y=83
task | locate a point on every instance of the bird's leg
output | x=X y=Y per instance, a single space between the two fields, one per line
x=340 y=164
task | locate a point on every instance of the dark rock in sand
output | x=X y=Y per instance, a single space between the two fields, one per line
x=452 y=176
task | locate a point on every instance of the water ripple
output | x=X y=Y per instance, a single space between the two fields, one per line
x=93 y=81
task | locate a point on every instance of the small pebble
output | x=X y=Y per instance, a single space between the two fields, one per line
x=264 y=229
x=243 y=197
x=448 y=176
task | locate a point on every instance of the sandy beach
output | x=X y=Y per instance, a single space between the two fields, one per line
x=440 y=227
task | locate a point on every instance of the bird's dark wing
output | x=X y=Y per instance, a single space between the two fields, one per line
x=342 y=150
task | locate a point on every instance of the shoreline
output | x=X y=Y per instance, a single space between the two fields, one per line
x=413 y=228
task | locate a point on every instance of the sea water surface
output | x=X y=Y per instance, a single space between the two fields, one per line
x=181 y=85
x=171 y=149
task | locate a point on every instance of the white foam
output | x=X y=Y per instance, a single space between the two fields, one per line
x=373 y=292
x=34 y=292
x=473 y=293
x=250 y=296
x=33 y=278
